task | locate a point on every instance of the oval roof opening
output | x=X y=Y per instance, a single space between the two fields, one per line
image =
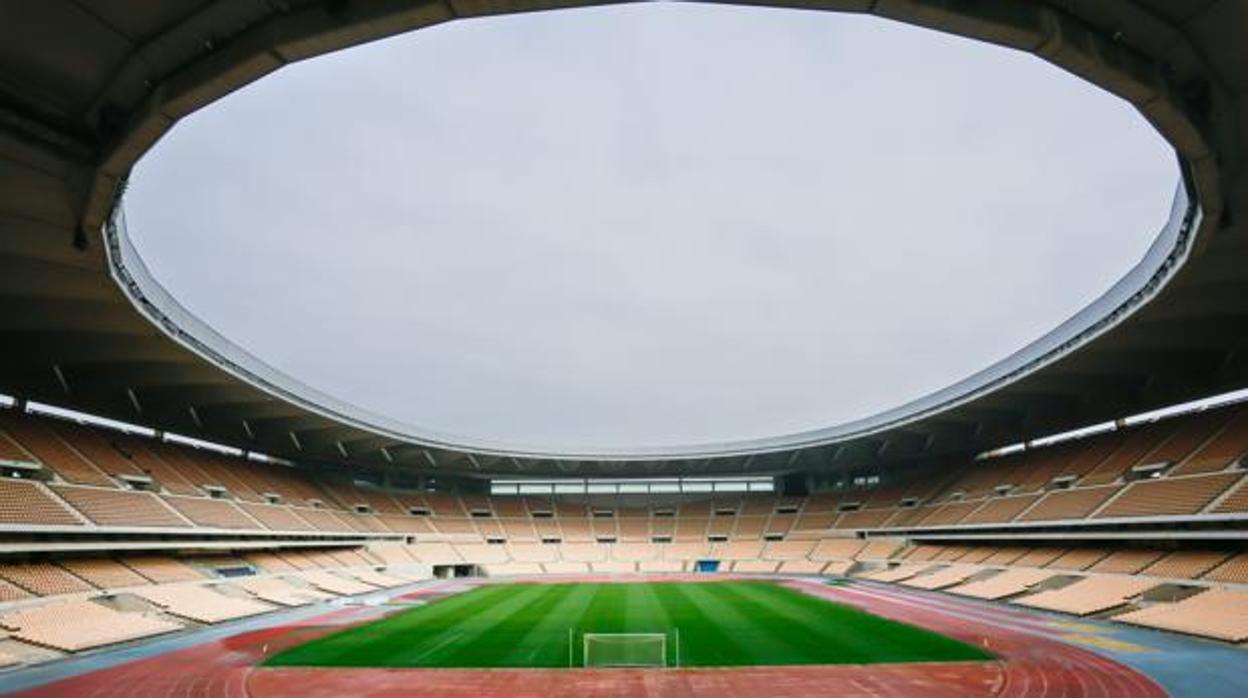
x=651 y=225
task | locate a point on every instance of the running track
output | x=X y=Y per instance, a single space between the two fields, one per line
x=1033 y=662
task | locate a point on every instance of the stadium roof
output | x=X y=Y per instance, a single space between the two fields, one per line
x=86 y=89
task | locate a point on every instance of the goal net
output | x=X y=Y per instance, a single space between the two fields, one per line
x=625 y=649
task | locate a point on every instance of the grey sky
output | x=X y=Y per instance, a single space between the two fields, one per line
x=658 y=224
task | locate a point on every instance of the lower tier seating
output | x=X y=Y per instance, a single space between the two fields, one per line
x=1005 y=584
x=199 y=603
x=71 y=626
x=1216 y=613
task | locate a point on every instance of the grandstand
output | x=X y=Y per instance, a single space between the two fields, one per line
x=174 y=513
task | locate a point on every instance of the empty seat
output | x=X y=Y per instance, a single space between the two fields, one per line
x=1233 y=571
x=1039 y=557
x=660 y=566
x=896 y=574
x=1222 y=450
x=480 y=553
x=43 y=578
x=788 y=549
x=213 y=513
x=1168 y=497
x=836 y=549
x=162 y=569
x=879 y=549
x=950 y=576
x=76 y=625
x=1004 y=584
x=802 y=566
x=739 y=550
x=1077 y=559
x=613 y=567
x=327 y=581
x=37 y=437
x=1185 y=564
x=377 y=579
x=25 y=502
x=566 y=567
x=278 y=591
x=1001 y=509
x=12 y=592
x=199 y=603
x=515 y=569
x=104 y=573
x=1126 y=561
x=1218 y=613
x=634 y=552
x=1089 y=595
x=1068 y=504
x=755 y=566
x=121 y=508
x=276 y=518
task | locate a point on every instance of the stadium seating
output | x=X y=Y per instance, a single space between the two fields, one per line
x=76 y=625
x=43 y=578
x=162 y=569
x=95 y=480
x=947 y=577
x=24 y=502
x=281 y=592
x=1004 y=584
x=104 y=573
x=1216 y=613
x=199 y=603
x=120 y=508
x=335 y=584
x=1089 y=595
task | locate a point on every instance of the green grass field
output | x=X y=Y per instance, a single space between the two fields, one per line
x=733 y=623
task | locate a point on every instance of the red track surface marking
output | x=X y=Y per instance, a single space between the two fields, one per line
x=1032 y=663
x=919 y=680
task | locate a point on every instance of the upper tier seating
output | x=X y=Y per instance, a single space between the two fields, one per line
x=47 y=447
x=121 y=508
x=24 y=502
x=1186 y=495
x=212 y=513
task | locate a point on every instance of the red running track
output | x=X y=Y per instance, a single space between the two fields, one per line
x=1032 y=662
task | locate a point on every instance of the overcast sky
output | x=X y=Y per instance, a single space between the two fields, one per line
x=649 y=225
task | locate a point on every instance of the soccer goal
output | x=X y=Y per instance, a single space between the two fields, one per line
x=625 y=649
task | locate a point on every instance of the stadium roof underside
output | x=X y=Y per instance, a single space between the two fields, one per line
x=87 y=87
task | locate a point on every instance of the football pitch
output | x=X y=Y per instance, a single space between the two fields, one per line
x=703 y=624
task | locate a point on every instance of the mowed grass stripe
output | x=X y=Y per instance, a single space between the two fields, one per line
x=730 y=623
x=896 y=641
x=492 y=640
x=754 y=639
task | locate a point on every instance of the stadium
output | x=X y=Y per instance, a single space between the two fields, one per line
x=179 y=517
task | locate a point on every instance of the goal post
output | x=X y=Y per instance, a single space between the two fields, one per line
x=603 y=650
